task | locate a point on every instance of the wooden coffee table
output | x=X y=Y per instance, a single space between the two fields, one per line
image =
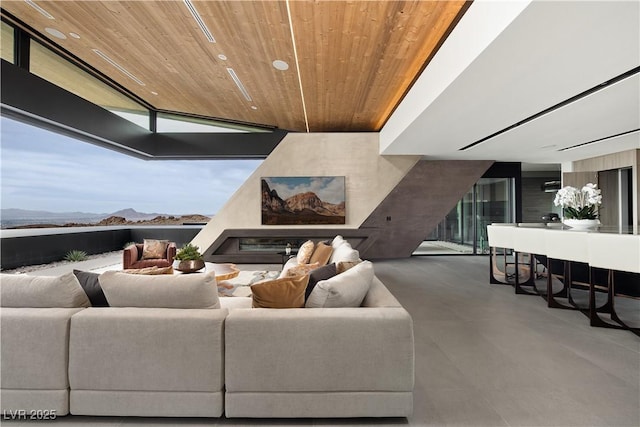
x=224 y=271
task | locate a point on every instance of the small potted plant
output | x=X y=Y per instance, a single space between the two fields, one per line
x=188 y=259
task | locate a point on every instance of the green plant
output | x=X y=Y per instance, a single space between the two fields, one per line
x=188 y=252
x=75 y=255
x=126 y=245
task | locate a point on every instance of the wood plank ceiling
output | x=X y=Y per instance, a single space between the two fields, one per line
x=355 y=59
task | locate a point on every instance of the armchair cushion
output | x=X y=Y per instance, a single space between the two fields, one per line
x=154 y=249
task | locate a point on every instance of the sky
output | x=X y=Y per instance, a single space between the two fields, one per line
x=328 y=189
x=43 y=170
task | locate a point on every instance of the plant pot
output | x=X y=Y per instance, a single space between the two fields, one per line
x=190 y=266
x=582 y=224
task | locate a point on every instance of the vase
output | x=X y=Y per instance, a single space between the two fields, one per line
x=190 y=266
x=581 y=224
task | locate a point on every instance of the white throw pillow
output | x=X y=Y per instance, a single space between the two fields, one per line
x=197 y=290
x=343 y=253
x=22 y=290
x=293 y=261
x=344 y=290
x=337 y=241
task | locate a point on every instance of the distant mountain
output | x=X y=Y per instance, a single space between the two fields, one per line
x=11 y=218
x=132 y=215
x=13 y=214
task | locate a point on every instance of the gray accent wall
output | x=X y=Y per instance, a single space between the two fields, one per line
x=417 y=204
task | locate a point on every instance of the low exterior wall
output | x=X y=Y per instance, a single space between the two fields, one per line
x=19 y=248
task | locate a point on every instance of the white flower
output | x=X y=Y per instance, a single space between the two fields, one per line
x=579 y=203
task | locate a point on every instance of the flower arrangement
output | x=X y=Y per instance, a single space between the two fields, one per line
x=579 y=204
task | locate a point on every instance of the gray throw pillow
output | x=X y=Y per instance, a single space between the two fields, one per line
x=91 y=286
x=322 y=273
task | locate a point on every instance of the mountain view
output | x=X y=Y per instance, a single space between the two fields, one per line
x=301 y=208
x=23 y=218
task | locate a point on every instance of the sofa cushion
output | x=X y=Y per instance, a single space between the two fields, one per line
x=91 y=286
x=305 y=252
x=198 y=290
x=343 y=290
x=322 y=273
x=154 y=249
x=22 y=290
x=302 y=269
x=321 y=254
x=287 y=292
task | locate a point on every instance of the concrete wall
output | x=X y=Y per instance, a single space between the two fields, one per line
x=369 y=179
x=418 y=203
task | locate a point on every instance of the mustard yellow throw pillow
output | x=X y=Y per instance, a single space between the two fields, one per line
x=287 y=292
x=321 y=254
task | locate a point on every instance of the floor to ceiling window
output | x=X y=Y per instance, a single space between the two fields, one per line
x=464 y=229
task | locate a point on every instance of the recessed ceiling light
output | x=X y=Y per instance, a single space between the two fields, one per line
x=55 y=33
x=222 y=57
x=118 y=66
x=199 y=21
x=39 y=9
x=253 y=107
x=238 y=83
x=74 y=35
x=154 y=93
x=280 y=65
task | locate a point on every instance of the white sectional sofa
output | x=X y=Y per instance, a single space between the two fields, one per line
x=182 y=352
x=321 y=362
x=34 y=358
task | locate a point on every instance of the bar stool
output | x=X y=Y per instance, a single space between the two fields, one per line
x=528 y=239
x=612 y=252
x=500 y=235
x=567 y=246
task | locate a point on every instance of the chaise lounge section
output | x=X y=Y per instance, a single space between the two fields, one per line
x=321 y=362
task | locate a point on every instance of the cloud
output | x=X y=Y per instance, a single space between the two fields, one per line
x=42 y=170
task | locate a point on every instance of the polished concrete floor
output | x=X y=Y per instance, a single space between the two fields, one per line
x=487 y=357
